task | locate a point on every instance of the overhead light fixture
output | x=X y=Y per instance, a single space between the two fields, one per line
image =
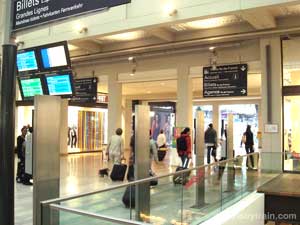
x=19 y=43
x=213 y=22
x=80 y=28
x=169 y=9
x=128 y=36
x=72 y=47
x=212 y=48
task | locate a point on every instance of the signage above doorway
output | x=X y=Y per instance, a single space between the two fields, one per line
x=85 y=90
x=29 y=13
x=225 y=81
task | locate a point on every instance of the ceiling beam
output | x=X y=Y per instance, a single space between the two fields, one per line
x=163 y=34
x=87 y=45
x=260 y=19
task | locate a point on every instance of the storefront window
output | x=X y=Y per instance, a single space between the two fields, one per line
x=291 y=64
x=292 y=133
x=244 y=114
x=87 y=129
x=291 y=103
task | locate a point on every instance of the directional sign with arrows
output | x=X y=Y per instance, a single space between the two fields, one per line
x=225 y=81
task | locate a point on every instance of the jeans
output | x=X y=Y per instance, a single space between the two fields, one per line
x=249 y=149
x=211 y=150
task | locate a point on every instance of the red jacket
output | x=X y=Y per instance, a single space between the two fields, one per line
x=189 y=145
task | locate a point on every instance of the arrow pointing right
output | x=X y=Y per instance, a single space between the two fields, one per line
x=243 y=91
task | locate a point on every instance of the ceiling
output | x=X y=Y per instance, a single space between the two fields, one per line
x=245 y=21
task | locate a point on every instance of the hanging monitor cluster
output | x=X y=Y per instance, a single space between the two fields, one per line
x=45 y=70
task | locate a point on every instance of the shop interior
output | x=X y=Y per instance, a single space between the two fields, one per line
x=291 y=104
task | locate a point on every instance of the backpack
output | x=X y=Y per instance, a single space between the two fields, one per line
x=181 y=144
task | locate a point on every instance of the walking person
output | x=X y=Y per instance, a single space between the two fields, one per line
x=210 y=137
x=184 y=147
x=21 y=144
x=249 y=143
x=162 y=140
x=153 y=154
x=115 y=147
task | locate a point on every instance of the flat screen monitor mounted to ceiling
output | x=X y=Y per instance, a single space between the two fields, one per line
x=30 y=86
x=60 y=84
x=54 y=56
x=45 y=58
x=27 y=61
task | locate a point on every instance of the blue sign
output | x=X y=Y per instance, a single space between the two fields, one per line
x=34 y=12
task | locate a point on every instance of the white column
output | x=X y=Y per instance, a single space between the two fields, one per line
x=216 y=118
x=272 y=143
x=184 y=112
x=114 y=104
x=128 y=122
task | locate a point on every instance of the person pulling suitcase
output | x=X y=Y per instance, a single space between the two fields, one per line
x=184 y=150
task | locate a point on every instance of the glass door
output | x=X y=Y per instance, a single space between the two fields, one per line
x=292 y=133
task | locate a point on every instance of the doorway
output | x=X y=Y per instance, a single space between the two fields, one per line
x=292 y=133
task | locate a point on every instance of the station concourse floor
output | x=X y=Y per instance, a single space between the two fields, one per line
x=79 y=174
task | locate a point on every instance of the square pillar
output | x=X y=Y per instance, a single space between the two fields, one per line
x=184 y=112
x=114 y=104
x=271 y=106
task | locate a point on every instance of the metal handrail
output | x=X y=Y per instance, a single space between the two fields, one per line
x=58 y=200
x=95 y=216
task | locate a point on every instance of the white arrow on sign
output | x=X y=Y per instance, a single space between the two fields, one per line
x=243 y=91
x=243 y=68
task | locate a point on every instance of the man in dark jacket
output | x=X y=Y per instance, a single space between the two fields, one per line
x=210 y=137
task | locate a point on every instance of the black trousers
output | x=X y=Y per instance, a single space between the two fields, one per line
x=211 y=150
x=185 y=161
x=249 y=149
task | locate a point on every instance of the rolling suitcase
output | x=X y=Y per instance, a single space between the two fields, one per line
x=118 y=172
x=184 y=177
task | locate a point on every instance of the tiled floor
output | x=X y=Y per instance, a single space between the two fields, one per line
x=79 y=174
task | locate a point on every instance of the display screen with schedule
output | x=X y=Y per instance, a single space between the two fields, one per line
x=59 y=84
x=26 y=61
x=31 y=87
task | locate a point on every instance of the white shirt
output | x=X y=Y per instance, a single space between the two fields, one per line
x=116 y=145
x=161 y=140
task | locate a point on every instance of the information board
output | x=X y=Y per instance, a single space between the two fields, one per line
x=26 y=61
x=31 y=87
x=225 y=81
x=85 y=90
x=59 y=85
x=34 y=12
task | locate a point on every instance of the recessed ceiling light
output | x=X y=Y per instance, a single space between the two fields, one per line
x=212 y=48
x=132 y=74
x=72 y=47
x=129 y=36
x=213 y=22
